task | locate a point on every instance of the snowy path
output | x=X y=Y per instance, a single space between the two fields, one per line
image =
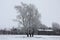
x=23 y=37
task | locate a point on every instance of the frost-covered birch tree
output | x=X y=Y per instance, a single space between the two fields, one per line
x=28 y=16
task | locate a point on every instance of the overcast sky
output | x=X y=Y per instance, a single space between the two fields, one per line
x=49 y=9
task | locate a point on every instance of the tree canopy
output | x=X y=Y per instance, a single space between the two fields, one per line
x=28 y=16
x=55 y=26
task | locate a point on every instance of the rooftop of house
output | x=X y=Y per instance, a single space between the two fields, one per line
x=45 y=30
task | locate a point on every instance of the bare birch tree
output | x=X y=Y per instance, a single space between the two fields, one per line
x=28 y=16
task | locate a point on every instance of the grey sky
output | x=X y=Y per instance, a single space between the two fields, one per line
x=49 y=9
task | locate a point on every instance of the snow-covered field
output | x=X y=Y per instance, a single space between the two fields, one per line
x=23 y=37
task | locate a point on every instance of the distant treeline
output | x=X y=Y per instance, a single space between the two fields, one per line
x=12 y=31
x=55 y=30
x=19 y=32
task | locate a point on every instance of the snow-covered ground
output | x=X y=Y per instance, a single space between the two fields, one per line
x=23 y=37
